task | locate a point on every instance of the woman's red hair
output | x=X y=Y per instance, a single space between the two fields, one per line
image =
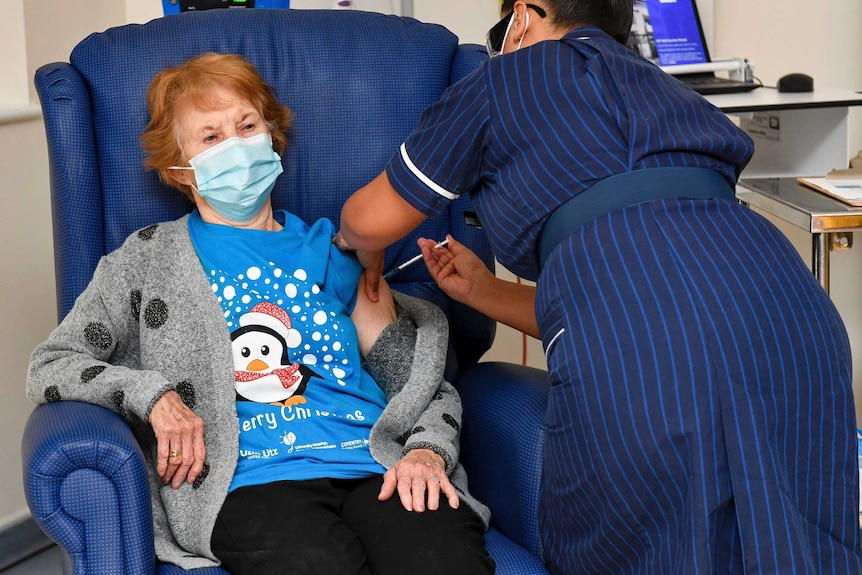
x=193 y=82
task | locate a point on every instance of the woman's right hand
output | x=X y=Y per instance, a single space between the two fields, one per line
x=180 y=435
x=457 y=270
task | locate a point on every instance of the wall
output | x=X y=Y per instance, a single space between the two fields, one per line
x=468 y=19
x=818 y=38
x=37 y=33
x=13 y=68
x=53 y=29
x=26 y=288
x=34 y=33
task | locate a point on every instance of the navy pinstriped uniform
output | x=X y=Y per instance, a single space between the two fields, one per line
x=701 y=415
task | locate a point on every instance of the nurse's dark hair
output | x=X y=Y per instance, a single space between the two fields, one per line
x=612 y=16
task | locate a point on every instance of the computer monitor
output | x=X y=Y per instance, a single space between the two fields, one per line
x=177 y=6
x=668 y=32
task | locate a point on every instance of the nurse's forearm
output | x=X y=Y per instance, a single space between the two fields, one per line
x=376 y=216
x=510 y=303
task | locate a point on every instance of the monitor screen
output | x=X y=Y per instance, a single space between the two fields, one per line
x=668 y=32
x=177 y=6
x=188 y=5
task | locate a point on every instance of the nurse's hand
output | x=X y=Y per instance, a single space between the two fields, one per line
x=419 y=478
x=372 y=263
x=466 y=279
x=180 y=435
x=457 y=270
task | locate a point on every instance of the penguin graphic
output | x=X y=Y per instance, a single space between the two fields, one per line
x=263 y=371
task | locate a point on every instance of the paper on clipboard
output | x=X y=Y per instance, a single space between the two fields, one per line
x=848 y=190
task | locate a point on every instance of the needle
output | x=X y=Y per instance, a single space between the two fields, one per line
x=411 y=261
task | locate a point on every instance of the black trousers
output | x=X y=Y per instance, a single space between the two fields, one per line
x=335 y=527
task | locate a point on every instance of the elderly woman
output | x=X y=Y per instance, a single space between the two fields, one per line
x=279 y=409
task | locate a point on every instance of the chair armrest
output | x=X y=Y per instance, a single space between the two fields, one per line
x=511 y=559
x=501 y=444
x=87 y=487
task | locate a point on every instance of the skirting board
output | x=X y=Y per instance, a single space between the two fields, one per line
x=20 y=540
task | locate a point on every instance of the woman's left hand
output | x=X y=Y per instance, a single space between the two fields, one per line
x=418 y=474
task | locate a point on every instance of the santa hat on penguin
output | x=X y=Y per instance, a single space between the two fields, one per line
x=269 y=315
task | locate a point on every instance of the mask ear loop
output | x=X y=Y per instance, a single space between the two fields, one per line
x=526 y=27
x=194 y=187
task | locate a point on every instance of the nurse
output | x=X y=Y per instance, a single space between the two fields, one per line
x=701 y=415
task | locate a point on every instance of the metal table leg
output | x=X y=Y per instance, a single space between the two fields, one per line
x=821 y=244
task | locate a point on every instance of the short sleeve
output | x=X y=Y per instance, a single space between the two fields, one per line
x=442 y=158
x=342 y=269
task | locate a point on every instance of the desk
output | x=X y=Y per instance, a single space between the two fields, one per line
x=808 y=209
x=802 y=134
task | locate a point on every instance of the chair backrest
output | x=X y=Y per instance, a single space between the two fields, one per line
x=357 y=83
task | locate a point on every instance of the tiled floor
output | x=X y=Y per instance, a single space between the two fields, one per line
x=48 y=562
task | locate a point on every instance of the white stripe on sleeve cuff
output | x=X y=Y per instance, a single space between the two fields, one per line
x=425 y=179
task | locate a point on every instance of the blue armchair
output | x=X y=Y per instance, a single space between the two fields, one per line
x=357 y=83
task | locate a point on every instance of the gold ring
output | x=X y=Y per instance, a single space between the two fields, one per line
x=433 y=478
x=176 y=453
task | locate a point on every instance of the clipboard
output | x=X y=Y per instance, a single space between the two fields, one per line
x=847 y=190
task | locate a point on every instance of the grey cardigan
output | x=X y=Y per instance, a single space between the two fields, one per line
x=148 y=322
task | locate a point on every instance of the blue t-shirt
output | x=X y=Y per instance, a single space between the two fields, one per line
x=304 y=404
x=529 y=130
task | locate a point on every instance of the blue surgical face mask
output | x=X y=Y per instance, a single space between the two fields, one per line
x=236 y=176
